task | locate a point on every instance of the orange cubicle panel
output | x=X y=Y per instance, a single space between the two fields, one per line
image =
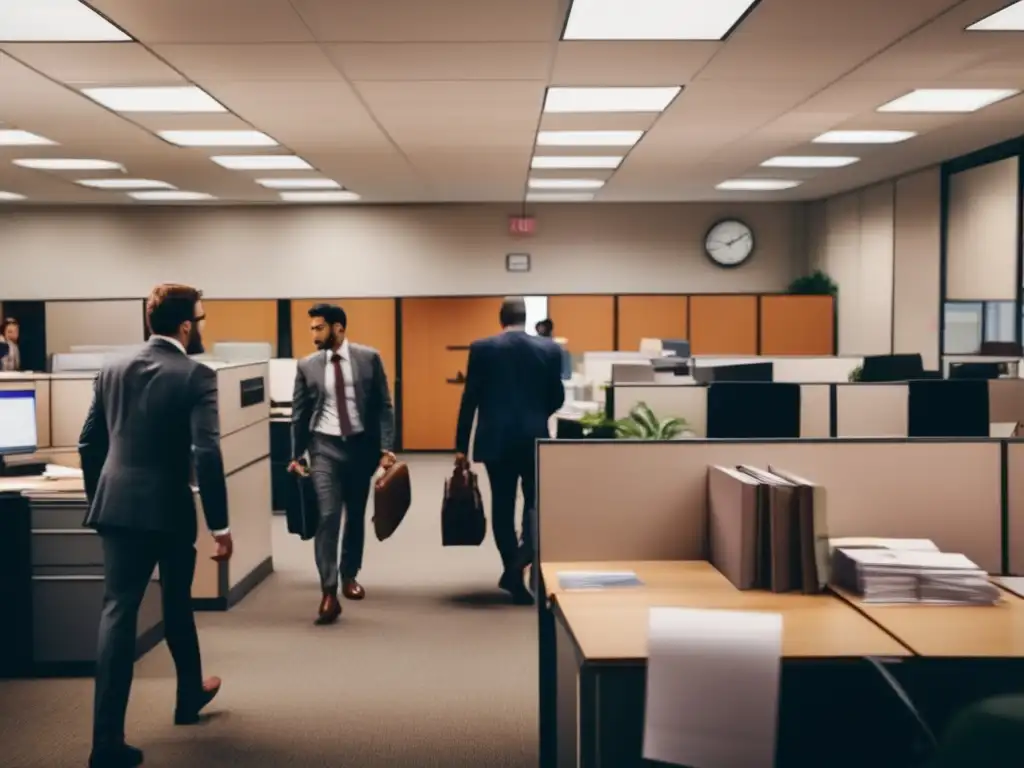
x=650 y=317
x=252 y=320
x=431 y=327
x=370 y=322
x=723 y=325
x=587 y=322
x=797 y=325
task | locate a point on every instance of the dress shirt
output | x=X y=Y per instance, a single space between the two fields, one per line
x=329 y=423
x=12 y=361
x=181 y=348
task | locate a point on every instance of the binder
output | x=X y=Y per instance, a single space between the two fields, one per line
x=733 y=506
x=813 y=528
x=782 y=531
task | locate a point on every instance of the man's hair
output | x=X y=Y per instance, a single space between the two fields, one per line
x=7 y=322
x=548 y=323
x=330 y=313
x=513 y=311
x=169 y=305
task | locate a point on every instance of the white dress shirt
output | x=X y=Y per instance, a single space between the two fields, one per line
x=12 y=360
x=329 y=423
x=181 y=347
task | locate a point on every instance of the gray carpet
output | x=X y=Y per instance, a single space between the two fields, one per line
x=434 y=668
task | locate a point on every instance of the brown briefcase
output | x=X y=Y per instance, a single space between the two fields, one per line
x=392 y=496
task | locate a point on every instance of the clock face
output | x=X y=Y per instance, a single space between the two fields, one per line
x=729 y=243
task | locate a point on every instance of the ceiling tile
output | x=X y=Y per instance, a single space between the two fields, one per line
x=266 y=62
x=630 y=63
x=442 y=61
x=90 y=63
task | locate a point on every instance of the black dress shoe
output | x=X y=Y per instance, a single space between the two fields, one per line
x=123 y=756
x=512 y=582
x=187 y=712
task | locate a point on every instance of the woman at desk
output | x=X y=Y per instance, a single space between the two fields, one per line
x=10 y=355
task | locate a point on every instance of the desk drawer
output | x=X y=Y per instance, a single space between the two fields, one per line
x=60 y=517
x=67 y=547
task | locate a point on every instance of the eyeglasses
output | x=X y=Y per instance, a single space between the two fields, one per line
x=199 y=319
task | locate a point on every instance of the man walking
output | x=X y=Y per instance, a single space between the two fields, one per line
x=153 y=414
x=513 y=386
x=343 y=417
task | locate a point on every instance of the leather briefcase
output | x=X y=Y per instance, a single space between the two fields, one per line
x=301 y=510
x=463 y=522
x=392 y=496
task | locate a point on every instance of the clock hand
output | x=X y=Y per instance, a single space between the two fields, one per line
x=737 y=239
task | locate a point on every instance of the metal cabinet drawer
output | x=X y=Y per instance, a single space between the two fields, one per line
x=66 y=547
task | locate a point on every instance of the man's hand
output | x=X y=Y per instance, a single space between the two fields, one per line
x=461 y=461
x=387 y=460
x=224 y=548
x=298 y=467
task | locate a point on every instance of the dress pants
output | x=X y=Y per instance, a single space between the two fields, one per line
x=516 y=468
x=128 y=561
x=341 y=469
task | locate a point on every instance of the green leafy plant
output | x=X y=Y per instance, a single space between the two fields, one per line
x=642 y=424
x=815 y=284
x=596 y=423
x=855 y=374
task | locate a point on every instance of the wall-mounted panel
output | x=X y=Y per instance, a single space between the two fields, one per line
x=650 y=317
x=723 y=325
x=587 y=322
x=797 y=325
x=251 y=320
x=74 y=323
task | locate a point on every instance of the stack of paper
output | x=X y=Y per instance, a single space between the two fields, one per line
x=915 y=575
x=597 y=579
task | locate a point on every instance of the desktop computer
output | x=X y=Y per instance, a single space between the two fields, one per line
x=18 y=432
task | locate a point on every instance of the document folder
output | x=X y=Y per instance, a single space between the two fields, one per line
x=733 y=525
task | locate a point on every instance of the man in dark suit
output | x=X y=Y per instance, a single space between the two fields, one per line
x=153 y=414
x=342 y=415
x=513 y=386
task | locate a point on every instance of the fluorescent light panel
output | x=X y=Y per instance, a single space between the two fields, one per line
x=67 y=164
x=299 y=183
x=864 y=137
x=169 y=195
x=174 y=98
x=262 y=162
x=124 y=184
x=653 y=19
x=576 y=162
x=810 y=161
x=639 y=99
x=217 y=138
x=757 y=185
x=53 y=21
x=588 y=138
x=1009 y=19
x=555 y=197
x=13 y=138
x=340 y=196
x=947 y=99
x=10 y=196
x=566 y=183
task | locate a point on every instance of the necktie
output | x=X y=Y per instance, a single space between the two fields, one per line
x=341 y=397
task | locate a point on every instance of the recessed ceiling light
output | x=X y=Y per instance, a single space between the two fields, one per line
x=54 y=21
x=13 y=138
x=124 y=184
x=653 y=19
x=575 y=162
x=757 y=185
x=262 y=162
x=10 y=196
x=640 y=99
x=555 y=197
x=566 y=183
x=810 y=161
x=341 y=196
x=299 y=183
x=173 y=98
x=67 y=164
x=169 y=195
x=864 y=137
x=217 y=138
x=1009 y=19
x=947 y=99
x=588 y=138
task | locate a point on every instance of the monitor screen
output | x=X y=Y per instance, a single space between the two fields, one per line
x=752 y=410
x=677 y=347
x=879 y=368
x=18 y=422
x=952 y=408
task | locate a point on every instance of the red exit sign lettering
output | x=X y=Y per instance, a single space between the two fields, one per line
x=522 y=225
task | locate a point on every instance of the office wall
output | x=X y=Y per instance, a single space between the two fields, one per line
x=239 y=320
x=651 y=317
x=586 y=322
x=364 y=251
x=70 y=323
x=881 y=246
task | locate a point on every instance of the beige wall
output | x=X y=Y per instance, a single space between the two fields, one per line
x=881 y=246
x=264 y=252
x=71 y=323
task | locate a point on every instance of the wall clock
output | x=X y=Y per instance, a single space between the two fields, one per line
x=729 y=243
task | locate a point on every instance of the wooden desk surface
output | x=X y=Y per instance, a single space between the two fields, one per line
x=953 y=631
x=39 y=485
x=675 y=575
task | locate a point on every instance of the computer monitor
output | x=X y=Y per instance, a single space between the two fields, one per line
x=951 y=408
x=974 y=370
x=753 y=410
x=879 y=368
x=677 y=347
x=18 y=433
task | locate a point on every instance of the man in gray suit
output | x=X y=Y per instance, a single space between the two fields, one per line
x=153 y=414
x=342 y=415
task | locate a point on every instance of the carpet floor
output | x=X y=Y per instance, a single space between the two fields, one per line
x=434 y=668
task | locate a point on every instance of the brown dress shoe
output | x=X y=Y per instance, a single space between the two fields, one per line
x=352 y=589
x=187 y=712
x=330 y=610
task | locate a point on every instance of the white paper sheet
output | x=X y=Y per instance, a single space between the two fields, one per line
x=712 y=687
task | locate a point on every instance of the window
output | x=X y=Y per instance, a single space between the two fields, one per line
x=999 y=320
x=963 y=321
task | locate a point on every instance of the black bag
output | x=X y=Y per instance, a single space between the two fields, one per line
x=301 y=508
x=463 y=522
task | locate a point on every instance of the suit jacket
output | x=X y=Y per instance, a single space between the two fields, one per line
x=513 y=385
x=373 y=398
x=153 y=414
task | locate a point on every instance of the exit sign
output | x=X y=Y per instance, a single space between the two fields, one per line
x=522 y=225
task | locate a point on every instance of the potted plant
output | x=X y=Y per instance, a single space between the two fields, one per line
x=855 y=374
x=817 y=283
x=642 y=424
x=597 y=426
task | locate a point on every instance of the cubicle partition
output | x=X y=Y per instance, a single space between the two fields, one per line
x=793 y=369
